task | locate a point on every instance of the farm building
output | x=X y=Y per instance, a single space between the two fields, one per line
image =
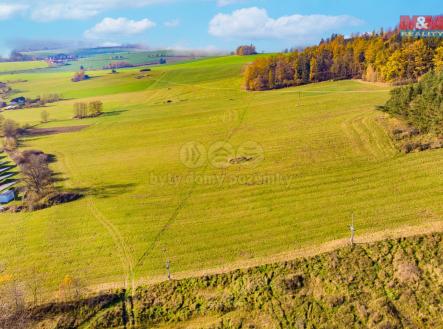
x=20 y=101
x=7 y=196
x=11 y=107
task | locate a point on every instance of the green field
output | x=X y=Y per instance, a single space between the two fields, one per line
x=98 y=58
x=326 y=156
x=8 y=67
x=97 y=62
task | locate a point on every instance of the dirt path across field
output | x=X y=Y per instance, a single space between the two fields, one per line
x=380 y=84
x=401 y=232
x=53 y=130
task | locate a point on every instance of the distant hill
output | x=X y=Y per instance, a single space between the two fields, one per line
x=104 y=57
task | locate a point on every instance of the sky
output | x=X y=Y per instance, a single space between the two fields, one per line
x=195 y=24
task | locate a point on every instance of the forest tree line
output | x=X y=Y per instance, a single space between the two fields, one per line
x=376 y=57
x=246 y=50
x=420 y=104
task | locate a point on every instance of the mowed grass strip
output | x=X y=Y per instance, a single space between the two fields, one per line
x=326 y=157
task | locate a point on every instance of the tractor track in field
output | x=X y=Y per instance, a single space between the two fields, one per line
x=124 y=251
x=118 y=239
x=113 y=232
x=363 y=138
x=172 y=218
x=182 y=203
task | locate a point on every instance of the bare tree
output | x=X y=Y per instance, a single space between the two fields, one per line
x=12 y=305
x=34 y=285
x=10 y=128
x=9 y=143
x=37 y=177
x=71 y=288
x=80 y=110
x=95 y=108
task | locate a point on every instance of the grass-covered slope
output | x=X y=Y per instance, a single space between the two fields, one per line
x=10 y=67
x=389 y=284
x=325 y=157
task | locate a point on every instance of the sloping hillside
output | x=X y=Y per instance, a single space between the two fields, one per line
x=389 y=284
x=325 y=156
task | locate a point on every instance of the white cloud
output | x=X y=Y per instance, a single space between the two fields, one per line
x=255 y=23
x=8 y=10
x=51 y=10
x=172 y=23
x=180 y=49
x=110 y=44
x=66 y=10
x=118 y=27
x=224 y=3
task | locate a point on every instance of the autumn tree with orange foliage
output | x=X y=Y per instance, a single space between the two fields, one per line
x=246 y=50
x=383 y=57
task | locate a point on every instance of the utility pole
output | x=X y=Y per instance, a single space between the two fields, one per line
x=352 y=229
x=168 y=263
x=168 y=268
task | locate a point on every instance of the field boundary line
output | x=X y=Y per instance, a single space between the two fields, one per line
x=304 y=252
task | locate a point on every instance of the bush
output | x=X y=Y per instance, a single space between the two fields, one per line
x=49 y=98
x=85 y=110
x=117 y=65
x=420 y=104
x=80 y=76
x=44 y=116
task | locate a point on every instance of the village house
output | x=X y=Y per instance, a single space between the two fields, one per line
x=19 y=101
x=60 y=59
x=7 y=196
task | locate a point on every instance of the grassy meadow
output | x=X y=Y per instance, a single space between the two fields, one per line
x=8 y=67
x=326 y=156
x=97 y=62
